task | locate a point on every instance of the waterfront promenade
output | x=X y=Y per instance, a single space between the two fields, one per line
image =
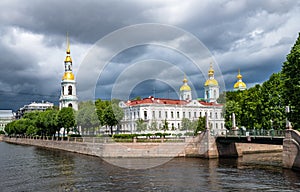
x=199 y=146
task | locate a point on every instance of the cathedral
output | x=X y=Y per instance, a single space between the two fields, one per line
x=68 y=97
x=155 y=111
x=158 y=110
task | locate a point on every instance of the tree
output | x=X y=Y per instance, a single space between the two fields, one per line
x=200 y=125
x=153 y=125
x=100 y=107
x=51 y=121
x=87 y=116
x=112 y=115
x=185 y=124
x=66 y=119
x=140 y=125
x=291 y=81
x=165 y=125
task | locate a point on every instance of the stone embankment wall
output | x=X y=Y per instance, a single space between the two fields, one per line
x=1 y=137
x=291 y=149
x=204 y=145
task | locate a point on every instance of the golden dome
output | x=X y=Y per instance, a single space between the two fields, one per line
x=185 y=88
x=239 y=76
x=184 y=80
x=239 y=85
x=211 y=82
x=68 y=76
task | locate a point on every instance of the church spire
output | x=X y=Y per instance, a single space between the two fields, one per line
x=68 y=44
x=68 y=57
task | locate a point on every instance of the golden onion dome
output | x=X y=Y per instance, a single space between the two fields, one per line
x=211 y=82
x=185 y=88
x=184 y=80
x=239 y=84
x=211 y=71
x=68 y=76
x=239 y=76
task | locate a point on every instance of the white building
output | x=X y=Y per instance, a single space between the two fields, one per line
x=33 y=107
x=157 y=110
x=6 y=116
x=68 y=97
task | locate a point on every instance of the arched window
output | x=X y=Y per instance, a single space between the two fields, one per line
x=70 y=105
x=215 y=94
x=63 y=90
x=70 y=90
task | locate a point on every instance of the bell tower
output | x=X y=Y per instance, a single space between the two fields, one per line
x=68 y=97
x=211 y=87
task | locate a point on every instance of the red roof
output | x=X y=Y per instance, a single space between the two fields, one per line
x=152 y=100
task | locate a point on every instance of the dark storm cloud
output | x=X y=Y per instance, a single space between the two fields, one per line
x=254 y=36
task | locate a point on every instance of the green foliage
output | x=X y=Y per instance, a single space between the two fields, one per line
x=200 y=125
x=86 y=116
x=258 y=106
x=186 y=124
x=140 y=125
x=165 y=126
x=2 y=132
x=112 y=115
x=66 y=119
x=100 y=107
x=154 y=125
x=291 y=82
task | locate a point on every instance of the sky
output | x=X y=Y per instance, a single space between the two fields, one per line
x=124 y=49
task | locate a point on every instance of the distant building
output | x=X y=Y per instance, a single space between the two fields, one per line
x=155 y=111
x=239 y=85
x=6 y=116
x=33 y=107
x=68 y=97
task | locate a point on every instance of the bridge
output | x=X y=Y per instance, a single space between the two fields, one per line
x=274 y=137
x=225 y=145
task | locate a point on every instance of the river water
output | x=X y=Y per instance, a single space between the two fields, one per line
x=29 y=168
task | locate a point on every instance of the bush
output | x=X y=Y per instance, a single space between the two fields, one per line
x=2 y=132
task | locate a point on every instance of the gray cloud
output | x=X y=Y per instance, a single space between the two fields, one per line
x=254 y=36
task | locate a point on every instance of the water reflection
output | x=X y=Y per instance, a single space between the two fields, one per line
x=25 y=168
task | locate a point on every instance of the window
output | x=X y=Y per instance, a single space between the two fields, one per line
x=200 y=114
x=70 y=105
x=159 y=114
x=216 y=115
x=172 y=114
x=153 y=114
x=70 y=90
x=210 y=115
x=195 y=114
x=178 y=114
x=63 y=90
x=145 y=115
x=166 y=114
x=189 y=114
x=183 y=114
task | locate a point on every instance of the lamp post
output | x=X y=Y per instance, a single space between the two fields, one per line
x=272 y=130
x=288 y=123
